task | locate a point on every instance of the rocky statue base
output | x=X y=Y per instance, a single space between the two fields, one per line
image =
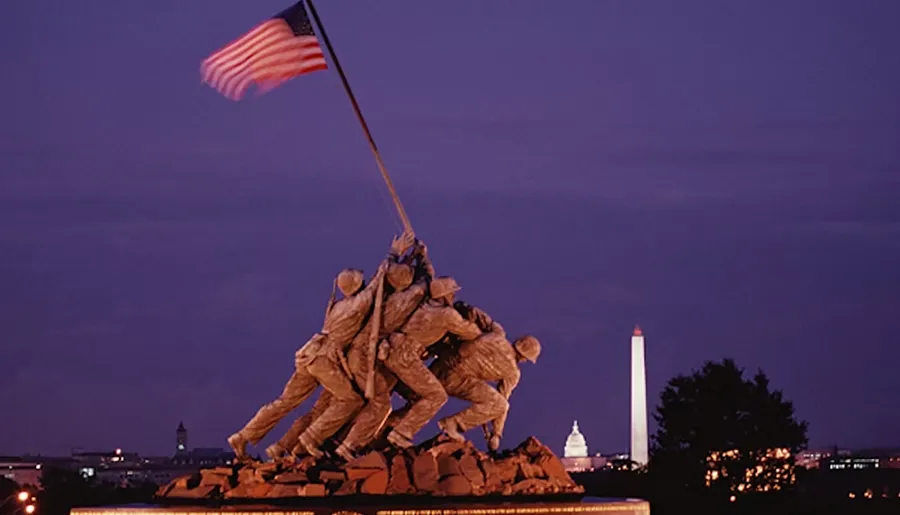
x=438 y=467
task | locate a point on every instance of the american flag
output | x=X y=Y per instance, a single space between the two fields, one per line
x=272 y=53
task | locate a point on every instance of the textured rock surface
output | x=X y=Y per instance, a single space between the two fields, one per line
x=434 y=468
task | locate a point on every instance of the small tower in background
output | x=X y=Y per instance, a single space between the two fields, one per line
x=181 y=440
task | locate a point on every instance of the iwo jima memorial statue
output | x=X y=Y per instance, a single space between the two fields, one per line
x=351 y=453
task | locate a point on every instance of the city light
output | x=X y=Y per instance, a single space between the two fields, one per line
x=29 y=509
x=23 y=496
x=766 y=471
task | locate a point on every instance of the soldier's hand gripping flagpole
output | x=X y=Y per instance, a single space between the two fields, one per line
x=373 y=343
x=362 y=121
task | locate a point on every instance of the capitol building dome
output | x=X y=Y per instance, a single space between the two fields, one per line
x=576 y=445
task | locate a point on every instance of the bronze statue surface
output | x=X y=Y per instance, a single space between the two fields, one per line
x=376 y=341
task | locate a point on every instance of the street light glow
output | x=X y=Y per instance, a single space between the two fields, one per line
x=29 y=509
x=23 y=496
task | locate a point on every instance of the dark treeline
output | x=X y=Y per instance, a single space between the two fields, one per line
x=816 y=492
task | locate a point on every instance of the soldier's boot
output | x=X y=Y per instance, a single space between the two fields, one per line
x=398 y=440
x=275 y=451
x=305 y=442
x=344 y=451
x=238 y=444
x=451 y=428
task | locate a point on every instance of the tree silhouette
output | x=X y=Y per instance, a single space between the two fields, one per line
x=8 y=491
x=722 y=434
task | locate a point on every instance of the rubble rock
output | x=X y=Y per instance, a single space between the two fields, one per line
x=292 y=476
x=211 y=477
x=531 y=470
x=248 y=476
x=279 y=490
x=313 y=490
x=365 y=466
x=399 y=481
x=350 y=487
x=437 y=467
x=376 y=484
x=425 y=472
x=448 y=466
x=373 y=460
x=455 y=485
x=530 y=486
x=553 y=467
x=507 y=469
x=449 y=448
x=468 y=465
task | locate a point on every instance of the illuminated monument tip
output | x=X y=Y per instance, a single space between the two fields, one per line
x=576 y=445
x=639 y=435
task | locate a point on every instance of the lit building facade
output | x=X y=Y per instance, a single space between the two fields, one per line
x=575 y=453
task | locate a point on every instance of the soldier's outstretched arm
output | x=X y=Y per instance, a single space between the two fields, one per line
x=459 y=326
x=486 y=323
x=424 y=260
x=369 y=291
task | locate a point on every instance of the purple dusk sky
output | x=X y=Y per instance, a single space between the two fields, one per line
x=725 y=174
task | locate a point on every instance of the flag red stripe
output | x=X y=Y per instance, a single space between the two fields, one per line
x=268 y=55
x=286 y=50
x=240 y=49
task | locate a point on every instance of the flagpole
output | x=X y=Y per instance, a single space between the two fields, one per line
x=362 y=121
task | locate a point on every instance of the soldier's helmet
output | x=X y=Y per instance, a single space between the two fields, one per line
x=529 y=347
x=399 y=275
x=349 y=281
x=442 y=287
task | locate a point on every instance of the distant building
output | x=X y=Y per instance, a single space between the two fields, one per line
x=24 y=473
x=576 y=445
x=851 y=463
x=811 y=459
x=575 y=453
x=104 y=457
x=204 y=457
x=199 y=457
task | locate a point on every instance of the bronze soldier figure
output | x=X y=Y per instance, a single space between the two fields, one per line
x=405 y=297
x=404 y=350
x=466 y=368
x=320 y=361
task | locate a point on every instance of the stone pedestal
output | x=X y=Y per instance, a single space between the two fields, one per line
x=390 y=506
